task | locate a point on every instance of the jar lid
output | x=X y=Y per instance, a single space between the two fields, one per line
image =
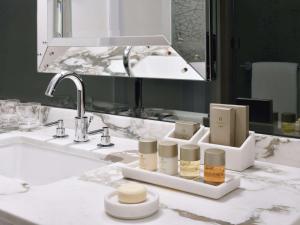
x=190 y=152
x=147 y=145
x=168 y=149
x=214 y=157
x=288 y=117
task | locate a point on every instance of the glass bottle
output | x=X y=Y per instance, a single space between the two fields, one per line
x=214 y=166
x=190 y=161
x=297 y=126
x=168 y=157
x=288 y=122
x=148 y=154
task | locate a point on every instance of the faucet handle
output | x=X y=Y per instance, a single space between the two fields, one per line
x=105 y=140
x=93 y=132
x=52 y=123
x=104 y=131
x=90 y=120
x=60 y=130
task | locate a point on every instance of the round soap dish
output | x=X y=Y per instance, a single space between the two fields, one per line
x=131 y=211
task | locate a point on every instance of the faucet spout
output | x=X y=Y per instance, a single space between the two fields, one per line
x=79 y=86
x=81 y=121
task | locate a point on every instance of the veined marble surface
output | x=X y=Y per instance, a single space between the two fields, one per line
x=120 y=126
x=145 y=61
x=256 y=202
x=279 y=150
x=269 y=193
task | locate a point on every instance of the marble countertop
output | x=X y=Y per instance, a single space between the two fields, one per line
x=269 y=193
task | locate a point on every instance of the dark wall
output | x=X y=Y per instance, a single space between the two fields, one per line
x=265 y=30
x=19 y=77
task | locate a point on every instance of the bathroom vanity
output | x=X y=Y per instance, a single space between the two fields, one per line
x=72 y=191
x=177 y=57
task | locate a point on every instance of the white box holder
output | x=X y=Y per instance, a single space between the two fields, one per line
x=237 y=158
x=193 y=140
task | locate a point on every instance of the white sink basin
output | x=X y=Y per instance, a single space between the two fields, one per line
x=39 y=162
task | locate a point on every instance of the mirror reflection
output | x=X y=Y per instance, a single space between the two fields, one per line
x=106 y=21
x=266 y=64
x=140 y=62
x=166 y=39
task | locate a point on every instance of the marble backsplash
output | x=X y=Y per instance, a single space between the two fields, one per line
x=279 y=150
x=272 y=149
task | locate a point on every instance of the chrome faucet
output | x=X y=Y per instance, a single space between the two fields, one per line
x=81 y=121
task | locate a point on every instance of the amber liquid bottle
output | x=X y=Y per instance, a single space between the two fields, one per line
x=214 y=166
x=214 y=175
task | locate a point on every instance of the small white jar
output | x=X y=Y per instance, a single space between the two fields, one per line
x=148 y=154
x=168 y=157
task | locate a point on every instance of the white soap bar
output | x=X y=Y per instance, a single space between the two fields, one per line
x=132 y=193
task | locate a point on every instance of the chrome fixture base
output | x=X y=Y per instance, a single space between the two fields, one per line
x=63 y=136
x=105 y=146
x=81 y=129
x=60 y=130
x=105 y=140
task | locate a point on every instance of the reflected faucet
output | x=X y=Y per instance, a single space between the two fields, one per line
x=137 y=106
x=81 y=121
x=126 y=60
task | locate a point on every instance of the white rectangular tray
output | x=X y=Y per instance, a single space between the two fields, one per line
x=231 y=183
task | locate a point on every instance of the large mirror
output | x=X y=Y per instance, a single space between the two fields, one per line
x=165 y=39
x=107 y=22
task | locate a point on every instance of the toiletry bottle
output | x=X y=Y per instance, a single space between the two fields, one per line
x=168 y=157
x=288 y=122
x=214 y=166
x=297 y=126
x=148 y=154
x=190 y=161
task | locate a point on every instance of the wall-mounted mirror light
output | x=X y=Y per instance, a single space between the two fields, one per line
x=167 y=39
